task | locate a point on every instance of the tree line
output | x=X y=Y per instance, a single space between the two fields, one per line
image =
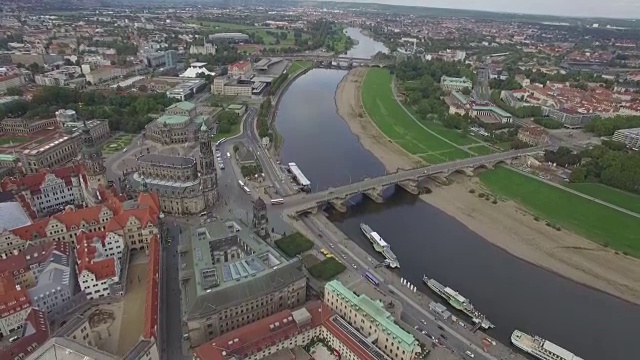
x=608 y=126
x=127 y=112
x=609 y=164
x=263 y=119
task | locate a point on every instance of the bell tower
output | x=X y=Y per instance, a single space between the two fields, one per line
x=91 y=158
x=208 y=172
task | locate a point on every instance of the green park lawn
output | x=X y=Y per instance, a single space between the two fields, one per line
x=587 y=218
x=294 y=244
x=327 y=269
x=117 y=143
x=298 y=66
x=397 y=125
x=235 y=130
x=613 y=196
x=481 y=149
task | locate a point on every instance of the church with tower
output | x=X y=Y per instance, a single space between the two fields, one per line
x=185 y=185
x=93 y=164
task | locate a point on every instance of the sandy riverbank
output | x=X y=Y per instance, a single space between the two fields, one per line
x=507 y=224
x=348 y=102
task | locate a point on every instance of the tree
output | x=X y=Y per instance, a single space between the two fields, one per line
x=143 y=88
x=35 y=68
x=14 y=91
x=466 y=91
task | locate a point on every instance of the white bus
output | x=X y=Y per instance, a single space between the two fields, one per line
x=246 y=189
x=220 y=141
x=277 y=201
x=240 y=183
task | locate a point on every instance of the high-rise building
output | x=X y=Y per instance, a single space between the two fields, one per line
x=171 y=58
x=208 y=173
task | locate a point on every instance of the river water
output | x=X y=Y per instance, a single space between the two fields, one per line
x=511 y=292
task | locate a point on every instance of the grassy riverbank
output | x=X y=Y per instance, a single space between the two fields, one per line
x=389 y=116
x=613 y=196
x=587 y=218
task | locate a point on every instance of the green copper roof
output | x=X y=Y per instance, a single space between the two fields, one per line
x=173 y=119
x=203 y=128
x=184 y=105
x=7 y=157
x=374 y=310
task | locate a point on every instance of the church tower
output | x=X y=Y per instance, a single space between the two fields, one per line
x=260 y=220
x=91 y=158
x=208 y=174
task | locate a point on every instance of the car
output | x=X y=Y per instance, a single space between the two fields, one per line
x=423 y=322
x=469 y=354
x=320 y=235
x=424 y=332
x=332 y=245
x=354 y=266
x=440 y=327
x=124 y=150
x=416 y=328
x=490 y=341
x=443 y=336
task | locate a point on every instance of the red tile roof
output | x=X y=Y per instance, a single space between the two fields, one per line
x=12 y=300
x=259 y=335
x=86 y=252
x=36 y=230
x=151 y=300
x=35 y=334
x=33 y=182
x=240 y=65
x=33 y=254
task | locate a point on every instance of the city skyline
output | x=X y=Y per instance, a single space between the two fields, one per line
x=621 y=9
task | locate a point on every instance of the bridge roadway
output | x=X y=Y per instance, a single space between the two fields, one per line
x=301 y=202
x=312 y=57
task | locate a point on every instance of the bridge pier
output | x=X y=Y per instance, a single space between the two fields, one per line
x=440 y=179
x=375 y=195
x=411 y=186
x=339 y=204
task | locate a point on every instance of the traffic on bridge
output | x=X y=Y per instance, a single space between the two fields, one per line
x=301 y=202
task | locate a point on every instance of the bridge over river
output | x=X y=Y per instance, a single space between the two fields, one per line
x=335 y=58
x=407 y=179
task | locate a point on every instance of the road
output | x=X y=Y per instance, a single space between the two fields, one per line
x=385 y=180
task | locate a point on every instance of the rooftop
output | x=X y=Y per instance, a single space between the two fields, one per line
x=215 y=283
x=184 y=105
x=167 y=160
x=173 y=119
x=264 y=333
x=13 y=216
x=151 y=300
x=376 y=312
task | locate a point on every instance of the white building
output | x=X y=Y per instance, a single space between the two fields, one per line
x=372 y=320
x=631 y=137
x=55 y=284
x=47 y=191
x=99 y=255
x=59 y=77
x=202 y=50
x=195 y=69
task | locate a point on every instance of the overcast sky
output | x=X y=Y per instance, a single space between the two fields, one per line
x=583 y=8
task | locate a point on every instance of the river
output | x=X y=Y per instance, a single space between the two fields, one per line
x=511 y=292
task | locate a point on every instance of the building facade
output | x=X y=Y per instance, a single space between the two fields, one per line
x=134 y=220
x=99 y=263
x=62 y=147
x=372 y=320
x=223 y=85
x=47 y=191
x=15 y=305
x=631 y=137
x=240 y=68
x=56 y=282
